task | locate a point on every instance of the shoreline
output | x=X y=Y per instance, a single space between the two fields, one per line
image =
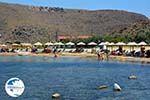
x=88 y=55
x=131 y=59
x=111 y=57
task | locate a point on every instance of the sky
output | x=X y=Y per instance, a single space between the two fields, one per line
x=138 y=6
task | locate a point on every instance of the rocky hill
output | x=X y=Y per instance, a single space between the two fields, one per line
x=32 y=24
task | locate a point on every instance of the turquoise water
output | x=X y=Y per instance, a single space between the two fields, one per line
x=74 y=78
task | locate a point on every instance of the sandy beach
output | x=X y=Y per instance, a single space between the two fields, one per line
x=87 y=55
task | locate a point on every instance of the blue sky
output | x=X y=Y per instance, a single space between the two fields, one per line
x=139 y=6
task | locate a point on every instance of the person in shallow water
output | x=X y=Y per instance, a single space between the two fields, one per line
x=55 y=50
x=100 y=55
x=55 y=55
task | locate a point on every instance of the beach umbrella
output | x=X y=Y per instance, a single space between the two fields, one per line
x=3 y=45
x=58 y=43
x=132 y=43
x=70 y=43
x=38 y=44
x=142 y=43
x=48 y=43
x=111 y=43
x=104 y=43
x=15 y=44
x=26 y=44
x=81 y=43
x=120 y=43
x=92 y=43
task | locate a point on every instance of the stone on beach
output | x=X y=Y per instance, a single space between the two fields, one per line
x=116 y=87
x=132 y=77
x=56 y=95
x=103 y=87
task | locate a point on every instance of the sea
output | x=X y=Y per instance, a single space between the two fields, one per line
x=74 y=78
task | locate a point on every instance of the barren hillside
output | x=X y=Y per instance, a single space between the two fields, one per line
x=31 y=24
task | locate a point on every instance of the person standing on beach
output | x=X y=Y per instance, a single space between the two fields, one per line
x=107 y=54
